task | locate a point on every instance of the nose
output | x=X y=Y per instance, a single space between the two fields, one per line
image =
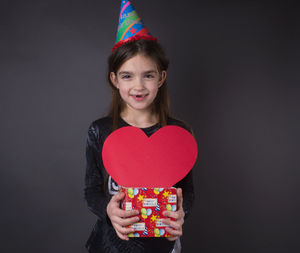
x=139 y=84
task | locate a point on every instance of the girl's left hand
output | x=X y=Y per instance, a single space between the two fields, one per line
x=175 y=228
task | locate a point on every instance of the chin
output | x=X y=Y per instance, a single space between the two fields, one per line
x=140 y=107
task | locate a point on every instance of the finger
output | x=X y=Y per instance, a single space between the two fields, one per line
x=179 y=198
x=174 y=232
x=127 y=221
x=123 y=237
x=175 y=215
x=118 y=197
x=125 y=213
x=123 y=230
x=172 y=238
x=174 y=224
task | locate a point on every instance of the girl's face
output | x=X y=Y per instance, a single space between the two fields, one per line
x=138 y=81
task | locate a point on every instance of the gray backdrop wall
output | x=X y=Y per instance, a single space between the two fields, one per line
x=234 y=76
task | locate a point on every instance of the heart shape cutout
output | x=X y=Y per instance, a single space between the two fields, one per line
x=133 y=159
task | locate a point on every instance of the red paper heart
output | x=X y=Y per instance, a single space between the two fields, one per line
x=134 y=160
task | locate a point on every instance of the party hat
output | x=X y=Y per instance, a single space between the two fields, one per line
x=130 y=27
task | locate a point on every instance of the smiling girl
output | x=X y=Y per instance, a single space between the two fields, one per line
x=137 y=71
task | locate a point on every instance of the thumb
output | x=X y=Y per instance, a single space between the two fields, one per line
x=180 y=198
x=118 y=197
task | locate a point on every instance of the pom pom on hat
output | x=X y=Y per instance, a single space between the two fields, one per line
x=130 y=27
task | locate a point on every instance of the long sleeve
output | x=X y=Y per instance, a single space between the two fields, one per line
x=187 y=192
x=95 y=195
x=187 y=185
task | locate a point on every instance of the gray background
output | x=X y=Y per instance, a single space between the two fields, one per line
x=234 y=76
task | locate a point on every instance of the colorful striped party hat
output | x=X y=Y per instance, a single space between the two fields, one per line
x=131 y=27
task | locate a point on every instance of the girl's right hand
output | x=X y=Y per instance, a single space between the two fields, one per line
x=121 y=218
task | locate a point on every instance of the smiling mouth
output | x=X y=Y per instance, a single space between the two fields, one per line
x=140 y=96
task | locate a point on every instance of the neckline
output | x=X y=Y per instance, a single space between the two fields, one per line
x=144 y=128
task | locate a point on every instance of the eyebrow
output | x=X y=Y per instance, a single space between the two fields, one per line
x=124 y=72
x=150 y=71
x=129 y=72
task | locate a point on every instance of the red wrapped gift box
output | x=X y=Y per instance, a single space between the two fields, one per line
x=151 y=202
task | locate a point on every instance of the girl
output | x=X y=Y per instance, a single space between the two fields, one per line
x=137 y=76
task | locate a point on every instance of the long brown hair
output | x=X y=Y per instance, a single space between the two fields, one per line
x=149 y=48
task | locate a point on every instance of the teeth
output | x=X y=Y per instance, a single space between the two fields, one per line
x=139 y=96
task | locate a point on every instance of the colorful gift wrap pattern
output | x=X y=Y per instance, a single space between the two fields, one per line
x=151 y=202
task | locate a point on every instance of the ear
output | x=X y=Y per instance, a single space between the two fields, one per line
x=113 y=79
x=162 y=78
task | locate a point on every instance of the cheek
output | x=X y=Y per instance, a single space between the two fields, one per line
x=123 y=93
x=153 y=90
x=123 y=89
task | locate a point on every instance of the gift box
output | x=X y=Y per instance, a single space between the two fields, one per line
x=151 y=203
